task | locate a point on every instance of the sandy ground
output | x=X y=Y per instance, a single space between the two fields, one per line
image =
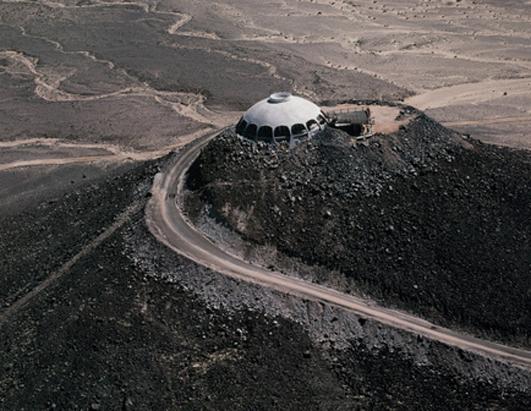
x=386 y=119
x=141 y=74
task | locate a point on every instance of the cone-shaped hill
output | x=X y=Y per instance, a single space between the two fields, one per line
x=424 y=218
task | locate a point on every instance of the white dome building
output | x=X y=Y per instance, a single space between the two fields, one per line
x=281 y=117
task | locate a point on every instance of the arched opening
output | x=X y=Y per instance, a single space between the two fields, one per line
x=241 y=126
x=312 y=125
x=250 y=131
x=282 y=134
x=298 y=130
x=265 y=134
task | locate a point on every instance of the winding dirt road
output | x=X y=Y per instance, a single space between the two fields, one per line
x=167 y=223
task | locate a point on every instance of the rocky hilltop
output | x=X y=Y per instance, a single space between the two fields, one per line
x=424 y=219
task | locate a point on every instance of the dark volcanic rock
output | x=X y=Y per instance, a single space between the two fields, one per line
x=112 y=334
x=423 y=218
x=38 y=240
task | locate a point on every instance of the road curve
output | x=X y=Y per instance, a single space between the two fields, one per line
x=168 y=224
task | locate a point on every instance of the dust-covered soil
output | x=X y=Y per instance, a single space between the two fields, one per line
x=424 y=218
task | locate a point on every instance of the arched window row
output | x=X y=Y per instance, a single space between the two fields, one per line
x=281 y=133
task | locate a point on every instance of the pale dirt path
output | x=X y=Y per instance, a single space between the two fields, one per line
x=48 y=88
x=56 y=161
x=492 y=120
x=116 y=153
x=168 y=224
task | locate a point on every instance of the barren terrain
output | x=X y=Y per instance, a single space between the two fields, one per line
x=95 y=313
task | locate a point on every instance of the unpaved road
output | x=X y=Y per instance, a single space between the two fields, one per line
x=167 y=223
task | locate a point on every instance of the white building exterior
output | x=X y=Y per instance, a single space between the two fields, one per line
x=281 y=117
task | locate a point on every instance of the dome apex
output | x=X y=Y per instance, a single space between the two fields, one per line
x=280 y=97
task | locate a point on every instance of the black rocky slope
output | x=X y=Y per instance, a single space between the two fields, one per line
x=111 y=333
x=47 y=233
x=424 y=218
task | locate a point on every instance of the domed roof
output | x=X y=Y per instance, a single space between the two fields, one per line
x=281 y=109
x=280 y=117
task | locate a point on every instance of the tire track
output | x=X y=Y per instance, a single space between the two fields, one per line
x=88 y=248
